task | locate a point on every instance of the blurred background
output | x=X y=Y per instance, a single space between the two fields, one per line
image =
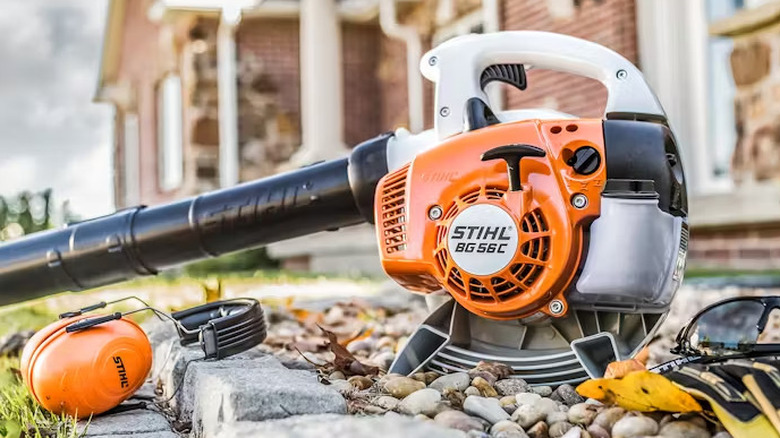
x=122 y=102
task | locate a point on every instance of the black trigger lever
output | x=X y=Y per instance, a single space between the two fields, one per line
x=512 y=74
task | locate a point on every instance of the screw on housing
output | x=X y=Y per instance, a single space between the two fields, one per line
x=435 y=213
x=622 y=74
x=444 y=111
x=432 y=61
x=556 y=307
x=579 y=201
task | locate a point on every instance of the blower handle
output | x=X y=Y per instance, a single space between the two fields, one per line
x=457 y=66
x=145 y=240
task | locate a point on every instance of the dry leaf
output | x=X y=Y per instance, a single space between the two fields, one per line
x=619 y=369
x=643 y=391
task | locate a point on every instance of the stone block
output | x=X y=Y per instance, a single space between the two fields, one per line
x=338 y=426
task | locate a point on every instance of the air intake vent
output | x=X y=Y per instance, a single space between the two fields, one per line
x=534 y=246
x=392 y=211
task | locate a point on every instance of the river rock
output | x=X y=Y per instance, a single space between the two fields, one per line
x=484 y=387
x=527 y=398
x=458 y=420
x=400 y=387
x=508 y=429
x=544 y=391
x=547 y=406
x=472 y=391
x=337 y=375
x=423 y=401
x=528 y=415
x=608 y=417
x=456 y=381
x=559 y=429
x=683 y=429
x=456 y=398
x=487 y=408
x=597 y=431
x=360 y=382
x=567 y=394
x=383 y=359
x=386 y=402
x=634 y=426
x=538 y=430
x=582 y=413
x=554 y=417
x=511 y=386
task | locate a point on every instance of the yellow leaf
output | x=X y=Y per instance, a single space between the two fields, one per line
x=643 y=391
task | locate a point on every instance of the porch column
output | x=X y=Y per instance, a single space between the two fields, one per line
x=228 y=98
x=322 y=105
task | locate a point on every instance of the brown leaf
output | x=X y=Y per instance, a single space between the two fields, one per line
x=344 y=361
x=621 y=368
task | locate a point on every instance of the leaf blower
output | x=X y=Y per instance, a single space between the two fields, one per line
x=552 y=243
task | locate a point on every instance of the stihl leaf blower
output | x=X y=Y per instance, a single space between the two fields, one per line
x=554 y=244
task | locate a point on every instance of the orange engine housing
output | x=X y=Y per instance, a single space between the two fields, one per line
x=417 y=210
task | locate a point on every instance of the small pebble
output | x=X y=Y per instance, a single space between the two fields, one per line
x=360 y=382
x=383 y=359
x=477 y=434
x=384 y=342
x=456 y=398
x=567 y=395
x=487 y=375
x=420 y=377
x=386 y=402
x=511 y=434
x=471 y=391
x=683 y=429
x=527 y=398
x=511 y=386
x=581 y=413
x=458 y=420
x=722 y=434
x=487 y=408
x=547 y=405
x=597 y=431
x=544 y=391
x=341 y=385
x=361 y=345
x=421 y=417
x=574 y=432
x=559 y=429
x=608 y=417
x=636 y=426
x=528 y=415
x=430 y=376
x=485 y=388
x=538 y=430
x=497 y=369
x=423 y=401
x=337 y=375
x=507 y=400
x=506 y=426
x=554 y=417
x=456 y=381
x=400 y=387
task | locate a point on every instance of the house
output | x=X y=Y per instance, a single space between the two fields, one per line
x=210 y=93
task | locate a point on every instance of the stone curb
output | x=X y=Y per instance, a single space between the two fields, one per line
x=338 y=426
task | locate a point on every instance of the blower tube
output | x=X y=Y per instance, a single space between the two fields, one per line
x=143 y=240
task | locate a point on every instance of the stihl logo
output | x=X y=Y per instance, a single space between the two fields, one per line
x=120 y=367
x=485 y=233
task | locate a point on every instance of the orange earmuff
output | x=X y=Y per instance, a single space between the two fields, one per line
x=88 y=371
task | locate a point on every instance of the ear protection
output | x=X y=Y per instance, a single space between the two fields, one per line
x=83 y=365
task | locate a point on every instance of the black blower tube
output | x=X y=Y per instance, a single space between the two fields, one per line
x=145 y=240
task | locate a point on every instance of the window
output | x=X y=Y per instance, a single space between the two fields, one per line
x=722 y=124
x=169 y=133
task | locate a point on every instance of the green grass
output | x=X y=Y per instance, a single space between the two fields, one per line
x=20 y=415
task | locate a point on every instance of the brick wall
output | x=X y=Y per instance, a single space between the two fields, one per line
x=745 y=247
x=611 y=23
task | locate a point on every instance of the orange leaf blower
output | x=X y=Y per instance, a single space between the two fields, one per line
x=551 y=243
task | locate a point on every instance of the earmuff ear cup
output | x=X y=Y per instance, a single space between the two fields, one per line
x=89 y=371
x=37 y=339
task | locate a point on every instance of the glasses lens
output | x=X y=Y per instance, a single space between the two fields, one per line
x=729 y=328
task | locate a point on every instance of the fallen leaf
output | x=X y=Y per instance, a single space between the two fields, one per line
x=621 y=368
x=363 y=334
x=643 y=391
x=344 y=361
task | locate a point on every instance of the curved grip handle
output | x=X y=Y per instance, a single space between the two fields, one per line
x=456 y=66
